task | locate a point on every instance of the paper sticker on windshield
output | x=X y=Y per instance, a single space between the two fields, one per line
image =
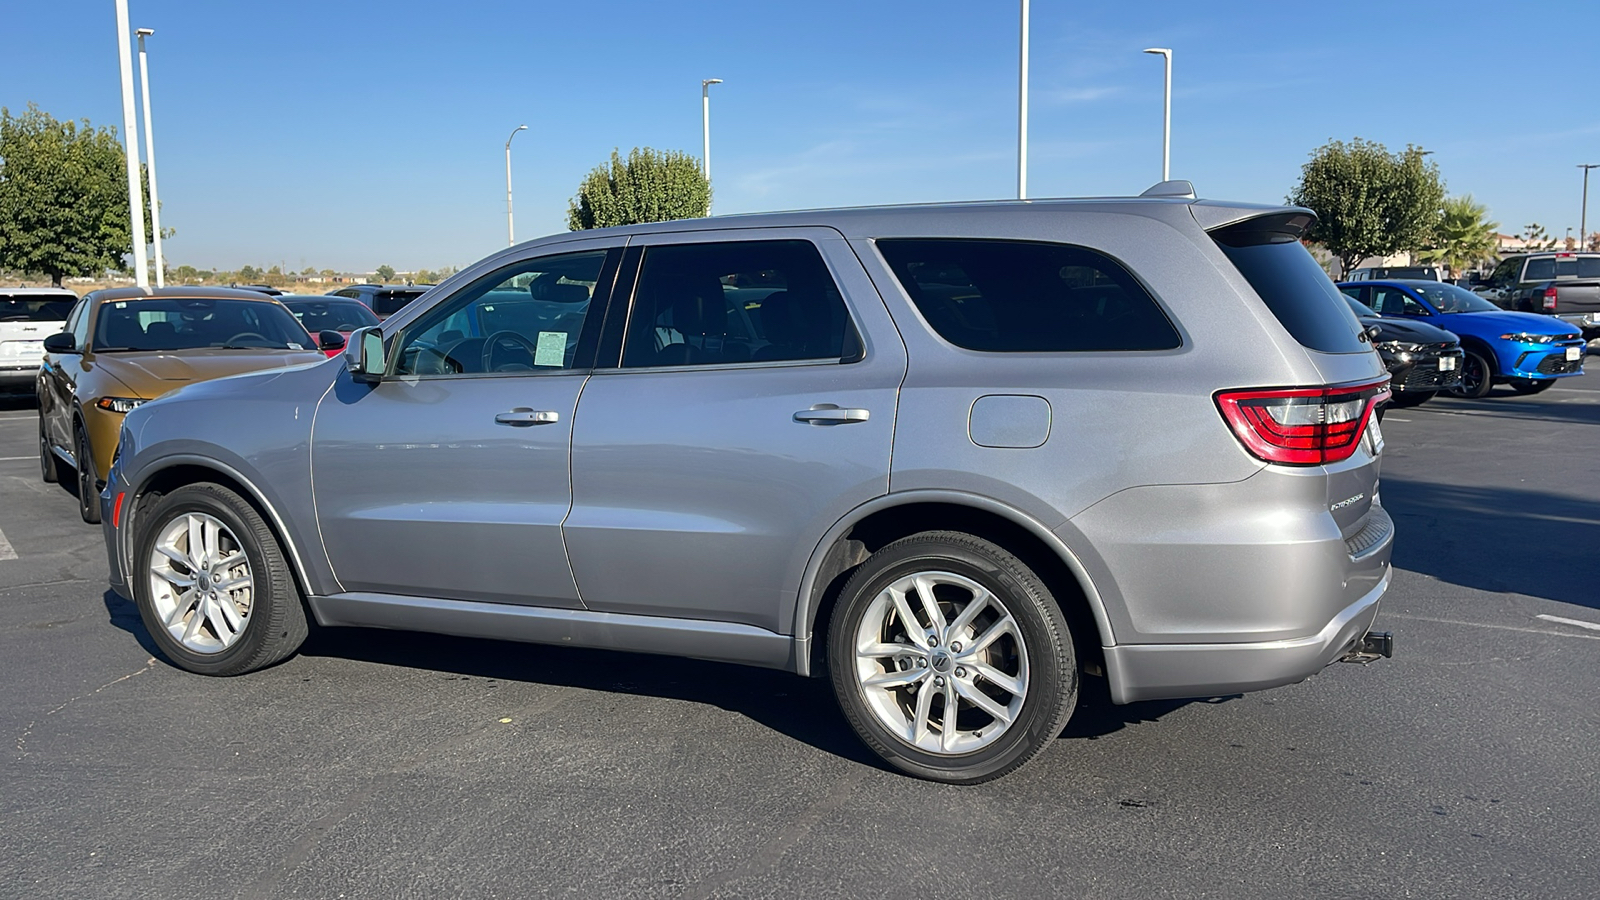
x=552 y=349
x=294 y=346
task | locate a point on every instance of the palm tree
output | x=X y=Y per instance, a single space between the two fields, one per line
x=1465 y=236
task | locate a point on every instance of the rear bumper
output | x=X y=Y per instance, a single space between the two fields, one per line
x=1170 y=671
x=18 y=377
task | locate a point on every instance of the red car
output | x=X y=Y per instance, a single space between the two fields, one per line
x=319 y=313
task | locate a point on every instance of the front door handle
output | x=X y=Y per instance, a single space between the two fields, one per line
x=828 y=414
x=522 y=417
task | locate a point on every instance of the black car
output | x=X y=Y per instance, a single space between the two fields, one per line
x=1422 y=359
x=383 y=299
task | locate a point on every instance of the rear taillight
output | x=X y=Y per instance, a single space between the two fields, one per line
x=1550 y=297
x=1302 y=426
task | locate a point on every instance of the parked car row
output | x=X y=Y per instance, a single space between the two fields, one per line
x=1565 y=285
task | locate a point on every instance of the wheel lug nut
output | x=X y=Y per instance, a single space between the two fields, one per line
x=956 y=647
x=960 y=672
x=938 y=681
x=933 y=641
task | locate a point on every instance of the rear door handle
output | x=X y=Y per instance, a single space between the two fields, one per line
x=522 y=417
x=828 y=414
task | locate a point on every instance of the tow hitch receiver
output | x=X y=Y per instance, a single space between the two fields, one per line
x=1376 y=644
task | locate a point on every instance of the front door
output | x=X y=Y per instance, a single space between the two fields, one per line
x=448 y=478
x=753 y=407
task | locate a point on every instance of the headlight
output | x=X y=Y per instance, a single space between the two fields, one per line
x=118 y=404
x=1398 y=346
x=1522 y=337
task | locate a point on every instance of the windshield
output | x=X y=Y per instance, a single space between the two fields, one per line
x=35 y=309
x=1447 y=298
x=1360 y=309
x=197 y=323
x=331 y=315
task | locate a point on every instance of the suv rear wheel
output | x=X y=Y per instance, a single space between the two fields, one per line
x=951 y=659
x=212 y=585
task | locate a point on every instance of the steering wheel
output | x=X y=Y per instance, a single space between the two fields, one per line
x=247 y=334
x=506 y=339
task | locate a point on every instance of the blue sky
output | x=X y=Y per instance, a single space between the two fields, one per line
x=346 y=135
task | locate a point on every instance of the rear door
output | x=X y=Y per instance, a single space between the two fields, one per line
x=748 y=406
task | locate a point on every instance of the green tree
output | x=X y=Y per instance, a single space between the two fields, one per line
x=327 y=273
x=249 y=274
x=1537 y=238
x=63 y=196
x=385 y=273
x=1465 y=236
x=1368 y=201
x=648 y=186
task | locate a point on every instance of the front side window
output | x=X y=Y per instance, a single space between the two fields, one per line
x=191 y=323
x=1391 y=301
x=735 y=302
x=1019 y=296
x=527 y=317
x=78 y=324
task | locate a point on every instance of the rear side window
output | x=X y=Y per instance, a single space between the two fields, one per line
x=1023 y=296
x=1541 y=269
x=1296 y=289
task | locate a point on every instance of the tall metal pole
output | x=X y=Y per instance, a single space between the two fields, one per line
x=1583 y=217
x=1166 y=114
x=511 y=231
x=705 y=127
x=130 y=147
x=1022 y=111
x=150 y=157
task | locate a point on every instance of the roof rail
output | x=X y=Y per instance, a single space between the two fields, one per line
x=1177 y=188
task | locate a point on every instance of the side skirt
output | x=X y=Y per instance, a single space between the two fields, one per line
x=718 y=641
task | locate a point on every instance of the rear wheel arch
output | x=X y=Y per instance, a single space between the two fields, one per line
x=881 y=522
x=180 y=472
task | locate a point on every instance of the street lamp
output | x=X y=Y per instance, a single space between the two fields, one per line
x=150 y=156
x=1583 y=217
x=1166 y=114
x=511 y=231
x=705 y=124
x=1022 y=110
x=130 y=148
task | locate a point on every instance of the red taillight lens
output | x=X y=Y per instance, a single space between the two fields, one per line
x=1550 y=297
x=1302 y=426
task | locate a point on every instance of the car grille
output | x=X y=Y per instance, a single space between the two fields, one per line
x=1558 y=364
x=1425 y=374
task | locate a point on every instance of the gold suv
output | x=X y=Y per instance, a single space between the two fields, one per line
x=122 y=347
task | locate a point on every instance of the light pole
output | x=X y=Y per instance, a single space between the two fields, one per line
x=130 y=148
x=1022 y=110
x=511 y=231
x=705 y=125
x=1166 y=114
x=150 y=157
x=1583 y=217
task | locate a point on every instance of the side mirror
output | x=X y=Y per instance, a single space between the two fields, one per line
x=363 y=355
x=330 y=340
x=1373 y=332
x=61 y=342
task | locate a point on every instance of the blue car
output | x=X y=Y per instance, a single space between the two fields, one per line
x=1530 y=352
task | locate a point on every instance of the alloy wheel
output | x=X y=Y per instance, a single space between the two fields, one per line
x=941 y=663
x=201 y=586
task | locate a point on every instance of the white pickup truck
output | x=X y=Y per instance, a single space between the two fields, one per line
x=27 y=317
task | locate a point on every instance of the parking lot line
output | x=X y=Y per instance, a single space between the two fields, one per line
x=1592 y=626
x=1545 y=631
x=6 y=550
x=15 y=458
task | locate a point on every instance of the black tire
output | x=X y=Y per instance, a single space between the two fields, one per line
x=275 y=626
x=49 y=469
x=1477 y=376
x=88 y=481
x=1051 y=691
x=1412 y=398
x=1530 y=386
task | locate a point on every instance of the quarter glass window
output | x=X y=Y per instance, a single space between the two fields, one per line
x=735 y=302
x=524 y=318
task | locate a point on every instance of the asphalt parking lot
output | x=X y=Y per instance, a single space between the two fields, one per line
x=381 y=764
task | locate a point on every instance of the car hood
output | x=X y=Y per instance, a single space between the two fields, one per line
x=1494 y=324
x=1410 y=332
x=151 y=374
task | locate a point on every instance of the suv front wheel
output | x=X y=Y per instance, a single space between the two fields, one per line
x=951 y=659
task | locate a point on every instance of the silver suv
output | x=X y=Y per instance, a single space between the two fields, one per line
x=949 y=456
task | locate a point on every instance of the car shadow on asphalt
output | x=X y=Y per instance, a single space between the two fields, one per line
x=1498 y=539
x=1504 y=403
x=18 y=402
x=803 y=709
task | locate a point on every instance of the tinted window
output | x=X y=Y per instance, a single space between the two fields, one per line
x=331 y=315
x=528 y=317
x=734 y=302
x=387 y=303
x=35 y=309
x=1589 y=267
x=1015 y=296
x=194 y=323
x=78 y=324
x=1358 y=308
x=1391 y=301
x=1298 y=292
x=1540 y=269
x=1448 y=298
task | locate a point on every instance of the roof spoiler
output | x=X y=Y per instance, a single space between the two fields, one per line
x=1177 y=189
x=1257 y=226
